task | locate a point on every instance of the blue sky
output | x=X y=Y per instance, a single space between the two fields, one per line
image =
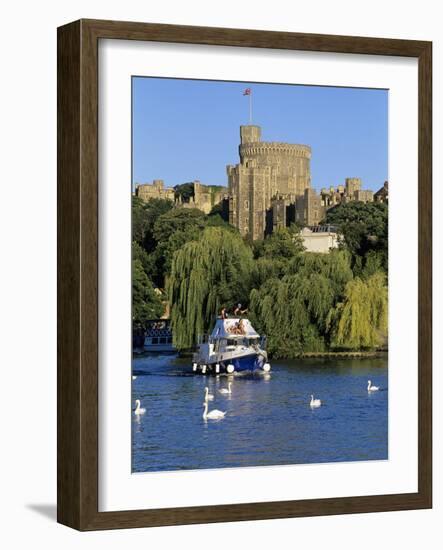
x=185 y=130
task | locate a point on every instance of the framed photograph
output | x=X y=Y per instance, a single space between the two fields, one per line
x=244 y=275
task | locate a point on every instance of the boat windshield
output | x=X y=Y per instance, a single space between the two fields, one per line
x=242 y=341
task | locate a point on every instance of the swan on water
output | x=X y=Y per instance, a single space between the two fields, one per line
x=208 y=396
x=215 y=414
x=371 y=387
x=227 y=391
x=315 y=402
x=138 y=409
x=134 y=377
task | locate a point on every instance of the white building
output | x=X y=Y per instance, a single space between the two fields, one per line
x=320 y=238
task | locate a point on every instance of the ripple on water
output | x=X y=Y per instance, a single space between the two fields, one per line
x=268 y=419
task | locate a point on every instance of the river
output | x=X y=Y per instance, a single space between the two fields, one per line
x=268 y=417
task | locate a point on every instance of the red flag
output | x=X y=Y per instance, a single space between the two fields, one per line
x=248 y=91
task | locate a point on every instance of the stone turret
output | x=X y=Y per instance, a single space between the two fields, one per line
x=250 y=134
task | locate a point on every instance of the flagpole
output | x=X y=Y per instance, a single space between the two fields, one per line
x=250 y=107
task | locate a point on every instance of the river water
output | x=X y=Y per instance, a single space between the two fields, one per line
x=268 y=418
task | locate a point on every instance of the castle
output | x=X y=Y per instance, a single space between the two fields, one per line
x=204 y=197
x=268 y=189
x=154 y=190
x=271 y=187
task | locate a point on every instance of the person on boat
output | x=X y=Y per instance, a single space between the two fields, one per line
x=239 y=311
x=240 y=327
x=223 y=313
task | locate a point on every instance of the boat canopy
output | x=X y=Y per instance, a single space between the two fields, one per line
x=227 y=328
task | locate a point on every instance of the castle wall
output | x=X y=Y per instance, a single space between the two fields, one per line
x=382 y=195
x=309 y=208
x=364 y=195
x=249 y=198
x=279 y=218
x=205 y=197
x=154 y=190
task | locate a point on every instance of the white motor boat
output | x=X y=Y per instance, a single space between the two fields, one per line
x=233 y=346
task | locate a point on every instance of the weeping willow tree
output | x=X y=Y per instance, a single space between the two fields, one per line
x=335 y=266
x=361 y=319
x=206 y=274
x=292 y=312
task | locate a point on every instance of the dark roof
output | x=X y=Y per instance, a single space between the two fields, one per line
x=323 y=228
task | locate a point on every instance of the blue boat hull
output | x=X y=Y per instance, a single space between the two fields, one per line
x=248 y=363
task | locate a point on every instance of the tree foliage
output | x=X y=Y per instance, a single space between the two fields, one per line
x=146 y=303
x=178 y=219
x=283 y=310
x=364 y=227
x=205 y=275
x=284 y=243
x=302 y=301
x=361 y=319
x=184 y=191
x=147 y=260
x=293 y=309
x=144 y=217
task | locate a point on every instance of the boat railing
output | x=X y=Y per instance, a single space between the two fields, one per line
x=263 y=340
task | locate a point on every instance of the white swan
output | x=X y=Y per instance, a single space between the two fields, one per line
x=138 y=409
x=315 y=402
x=212 y=415
x=225 y=391
x=371 y=387
x=208 y=396
x=134 y=377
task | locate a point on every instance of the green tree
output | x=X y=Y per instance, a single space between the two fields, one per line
x=166 y=248
x=146 y=303
x=284 y=243
x=144 y=217
x=138 y=219
x=267 y=268
x=361 y=319
x=178 y=219
x=184 y=191
x=364 y=227
x=335 y=266
x=285 y=310
x=221 y=210
x=147 y=260
x=292 y=303
x=205 y=275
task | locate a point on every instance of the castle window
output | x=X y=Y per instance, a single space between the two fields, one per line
x=246 y=204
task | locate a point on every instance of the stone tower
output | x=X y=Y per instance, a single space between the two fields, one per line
x=268 y=171
x=353 y=185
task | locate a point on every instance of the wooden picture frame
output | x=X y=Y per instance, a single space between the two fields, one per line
x=78 y=273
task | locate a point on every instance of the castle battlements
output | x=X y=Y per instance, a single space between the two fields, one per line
x=276 y=148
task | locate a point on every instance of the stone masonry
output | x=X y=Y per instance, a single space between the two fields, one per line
x=205 y=196
x=268 y=171
x=268 y=189
x=271 y=187
x=154 y=190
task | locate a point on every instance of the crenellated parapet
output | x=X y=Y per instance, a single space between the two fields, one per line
x=274 y=148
